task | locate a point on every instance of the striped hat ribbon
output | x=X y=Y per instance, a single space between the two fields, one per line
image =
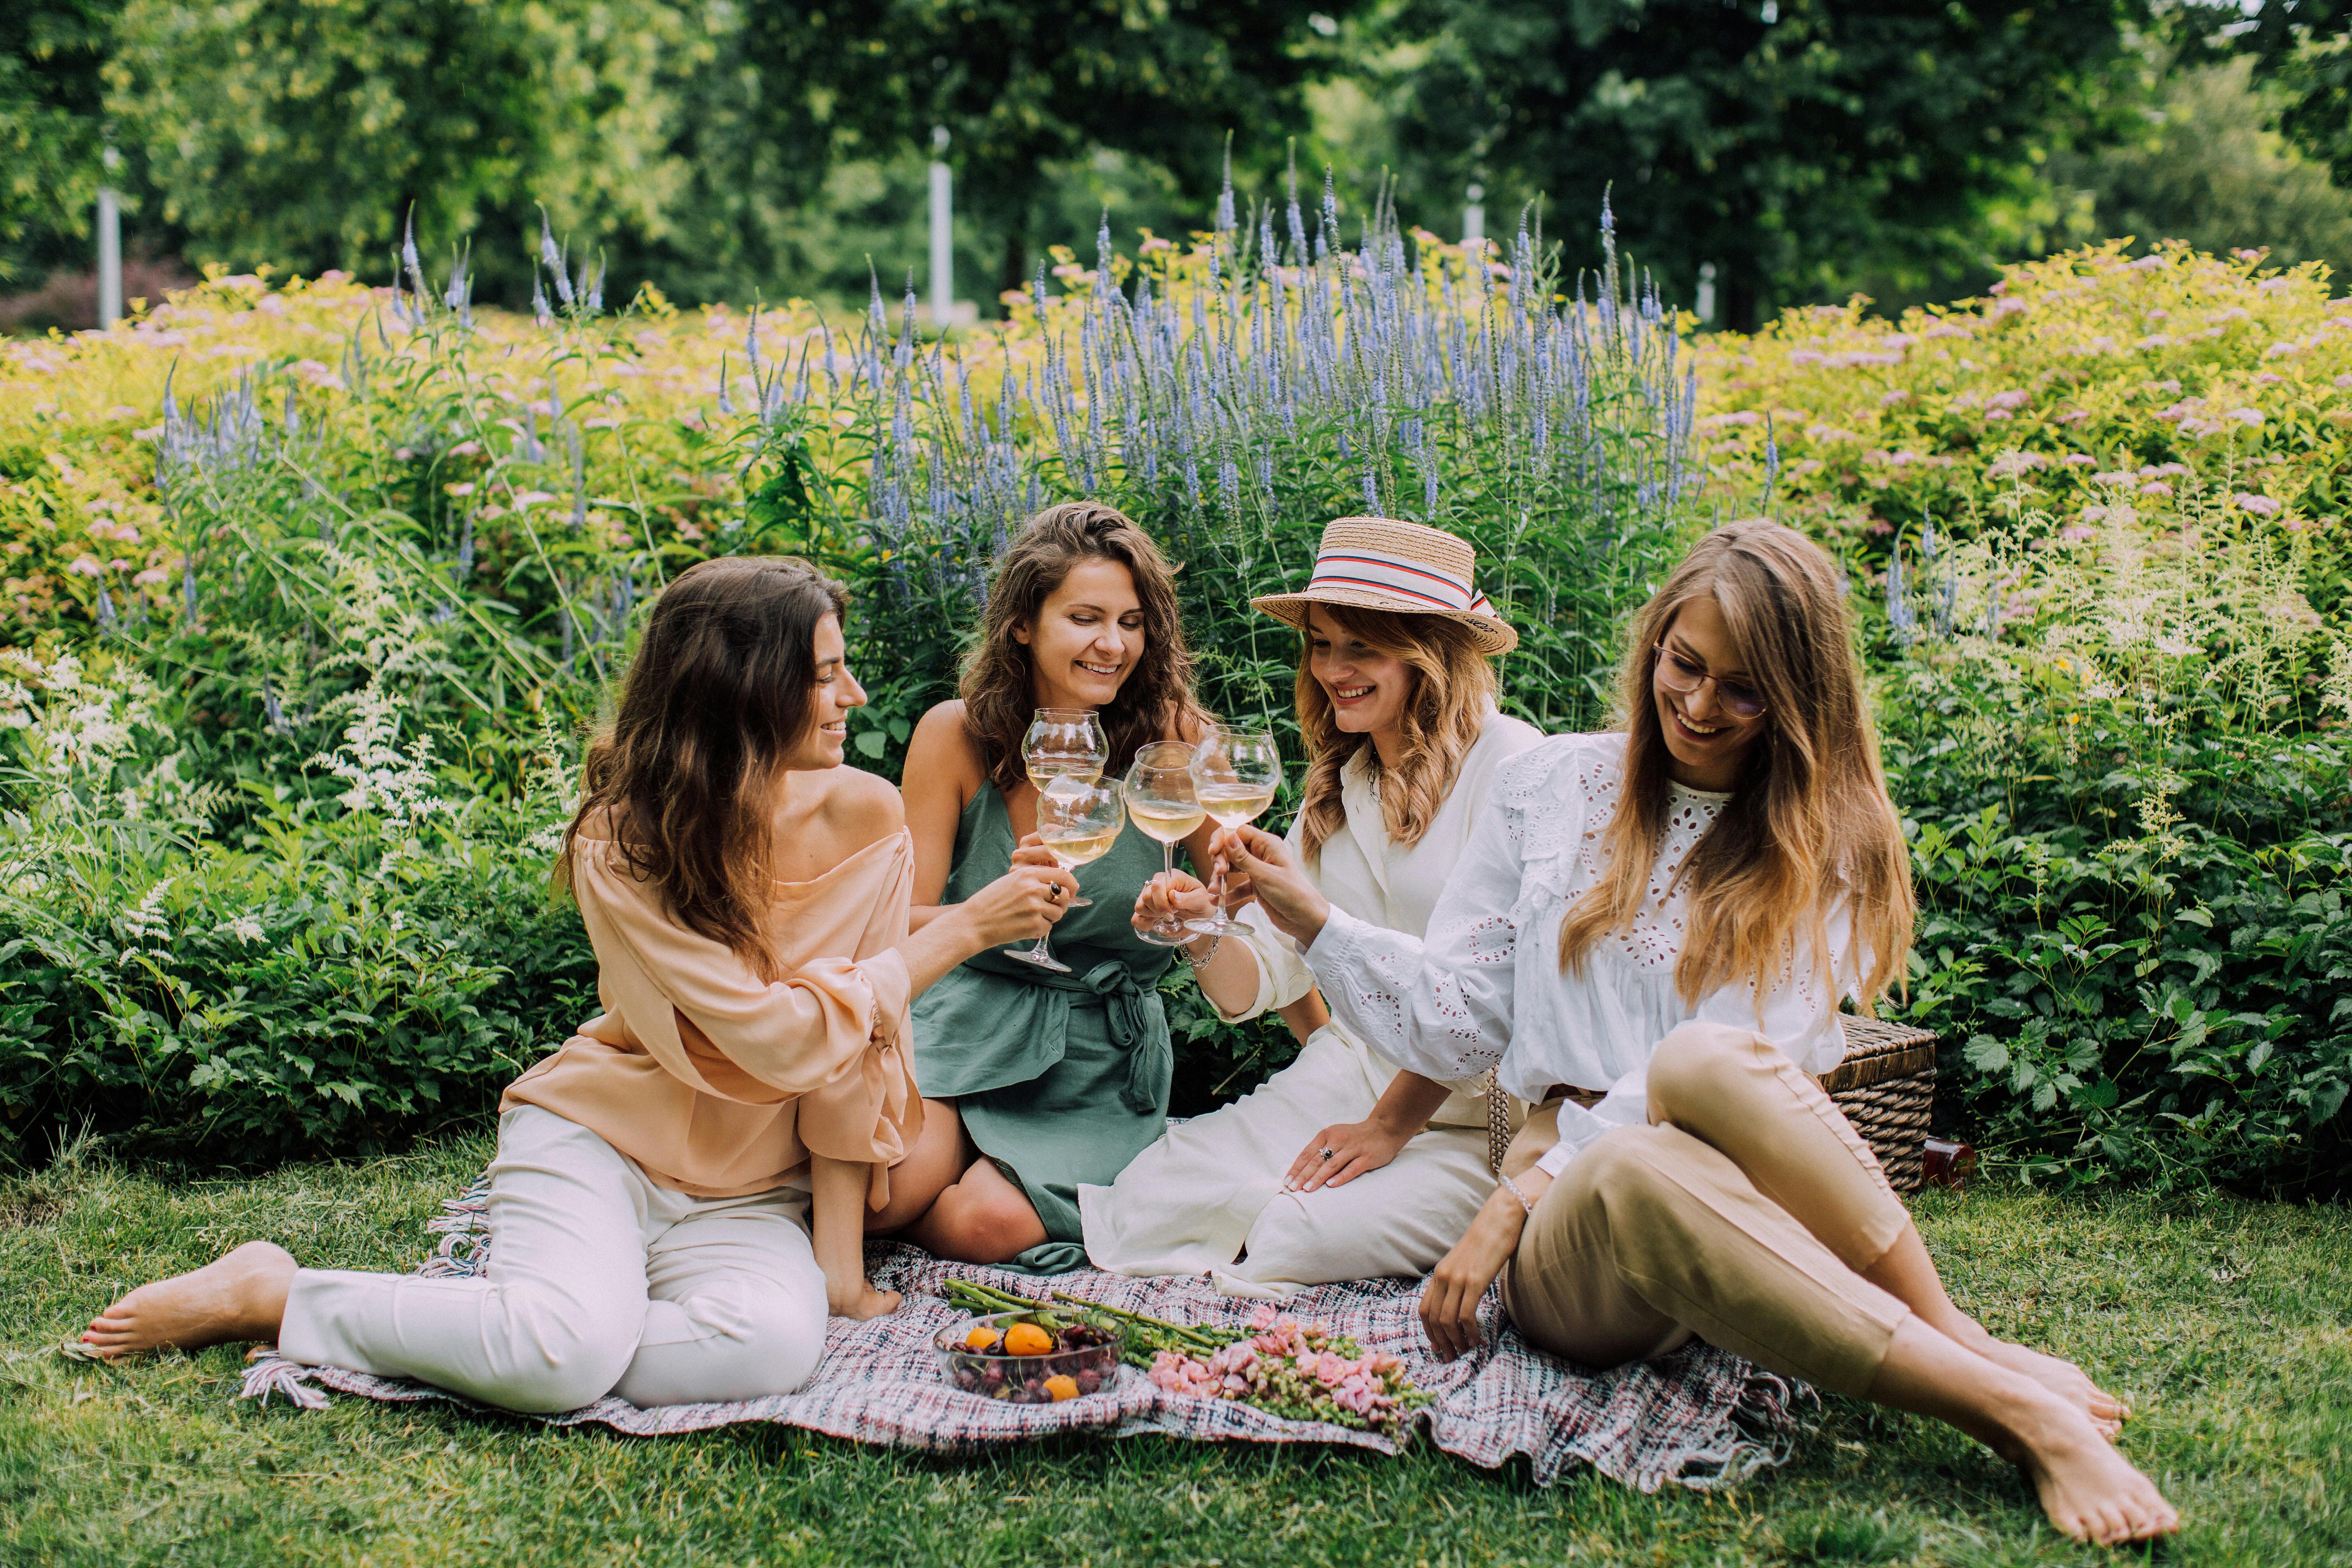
x=1377 y=569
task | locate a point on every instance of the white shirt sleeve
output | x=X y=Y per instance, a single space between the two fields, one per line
x=1282 y=977
x=1799 y=1016
x=1439 y=1005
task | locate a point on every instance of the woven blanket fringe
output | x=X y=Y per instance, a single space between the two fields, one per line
x=464 y=1229
x=273 y=1373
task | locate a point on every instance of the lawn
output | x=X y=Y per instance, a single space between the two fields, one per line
x=2229 y=1323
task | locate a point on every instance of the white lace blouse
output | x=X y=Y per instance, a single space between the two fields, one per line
x=1486 y=985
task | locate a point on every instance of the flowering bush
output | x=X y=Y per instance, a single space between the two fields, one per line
x=2075 y=370
x=1301 y=1372
x=2118 y=746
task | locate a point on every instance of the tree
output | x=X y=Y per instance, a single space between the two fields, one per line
x=2208 y=171
x=51 y=130
x=1026 y=86
x=2302 y=50
x=1799 y=145
x=304 y=133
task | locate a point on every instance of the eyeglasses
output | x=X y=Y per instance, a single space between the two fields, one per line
x=1680 y=675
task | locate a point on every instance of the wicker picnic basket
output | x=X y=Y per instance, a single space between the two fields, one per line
x=1885 y=1085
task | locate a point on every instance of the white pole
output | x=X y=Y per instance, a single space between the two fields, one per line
x=109 y=249
x=1474 y=216
x=1703 y=307
x=942 y=234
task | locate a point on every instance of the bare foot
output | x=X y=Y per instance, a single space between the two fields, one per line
x=2063 y=1378
x=239 y=1296
x=861 y=1303
x=2090 y=1491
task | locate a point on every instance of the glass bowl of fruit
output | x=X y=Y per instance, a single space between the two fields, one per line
x=1031 y=1358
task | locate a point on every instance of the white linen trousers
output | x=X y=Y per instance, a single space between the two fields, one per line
x=599 y=1282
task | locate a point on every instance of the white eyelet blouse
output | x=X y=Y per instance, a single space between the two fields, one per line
x=1486 y=985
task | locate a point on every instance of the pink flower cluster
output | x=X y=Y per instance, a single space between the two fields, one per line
x=1294 y=1369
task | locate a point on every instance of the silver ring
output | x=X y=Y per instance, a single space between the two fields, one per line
x=1327 y=1153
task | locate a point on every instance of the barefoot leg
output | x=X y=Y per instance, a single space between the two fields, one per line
x=241 y=1296
x=1908 y=1274
x=2090 y=1492
x=837 y=1214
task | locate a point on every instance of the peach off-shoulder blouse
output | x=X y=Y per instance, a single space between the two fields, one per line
x=717 y=1083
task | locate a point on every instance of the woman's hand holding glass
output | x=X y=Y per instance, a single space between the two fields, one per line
x=1077 y=823
x=1235 y=774
x=1258 y=865
x=1160 y=802
x=1065 y=742
x=1025 y=903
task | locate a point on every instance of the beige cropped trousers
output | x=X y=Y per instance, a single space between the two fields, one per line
x=599 y=1282
x=1746 y=1214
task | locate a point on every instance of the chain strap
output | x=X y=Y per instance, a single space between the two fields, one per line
x=1498 y=1121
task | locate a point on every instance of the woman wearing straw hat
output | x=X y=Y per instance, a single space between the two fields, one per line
x=1341 y=1167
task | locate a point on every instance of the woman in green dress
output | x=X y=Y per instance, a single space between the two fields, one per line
x=1036 y=1082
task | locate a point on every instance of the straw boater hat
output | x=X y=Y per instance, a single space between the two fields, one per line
x=1379 y=563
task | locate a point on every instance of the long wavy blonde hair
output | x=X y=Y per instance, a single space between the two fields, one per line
x=1452 y=691
x=1810 y=817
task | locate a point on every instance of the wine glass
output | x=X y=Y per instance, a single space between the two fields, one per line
x=1077 y=821
x=1065 y=742
x=1234 y=775
x=1162 y=801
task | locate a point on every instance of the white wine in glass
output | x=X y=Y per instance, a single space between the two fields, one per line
x=1233 y=804
x=1065 y=744
x=1160 y=801
x=1234 y=775
x=1077 y=823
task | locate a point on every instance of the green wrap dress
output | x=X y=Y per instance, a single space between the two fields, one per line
x=1061 y=1079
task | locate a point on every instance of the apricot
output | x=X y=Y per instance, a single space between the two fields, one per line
x=1027 y=1339
x=1062 y=1387
x=981 y=1339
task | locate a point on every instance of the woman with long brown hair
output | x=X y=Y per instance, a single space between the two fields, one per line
x=1037 y=1080
x=1340 y=1166
x=747 y=897
x=1648 y=937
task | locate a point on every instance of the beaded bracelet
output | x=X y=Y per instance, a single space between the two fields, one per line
x=1214 y=942
x=1512 y=1187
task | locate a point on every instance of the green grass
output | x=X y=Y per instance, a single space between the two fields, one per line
x=2230 y=1324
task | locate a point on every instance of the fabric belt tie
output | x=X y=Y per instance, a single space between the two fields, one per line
x=1139 y=1026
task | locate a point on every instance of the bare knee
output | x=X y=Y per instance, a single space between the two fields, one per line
x=979 y=1226
x=1693 y=1060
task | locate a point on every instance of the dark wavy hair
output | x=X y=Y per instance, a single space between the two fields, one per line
x=999 y=688
x=683 y=780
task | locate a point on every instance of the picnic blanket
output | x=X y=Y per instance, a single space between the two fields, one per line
x=1699 y=1418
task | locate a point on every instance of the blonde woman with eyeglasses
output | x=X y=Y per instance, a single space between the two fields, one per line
x=1648 y=936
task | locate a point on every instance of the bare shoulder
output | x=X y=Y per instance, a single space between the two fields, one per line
x=859 y=799
x=941 y=741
